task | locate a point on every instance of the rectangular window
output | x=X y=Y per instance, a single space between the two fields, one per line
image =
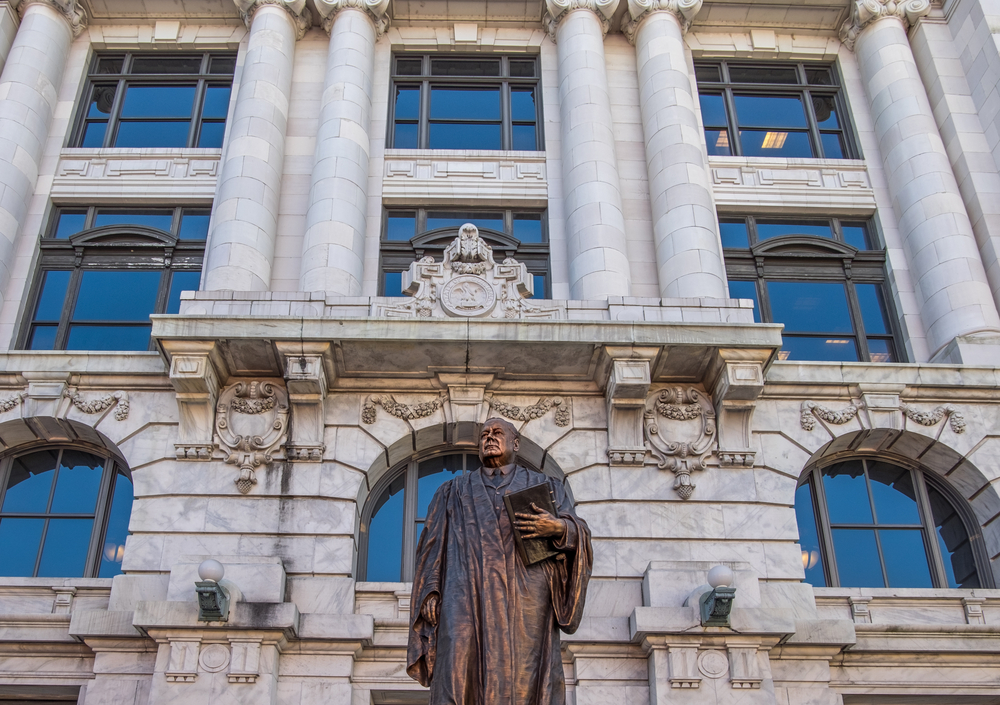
x=135 y=100
x=103 y=271
x=465 y=103
x=772 y=110
x=823 y=279
x=411 y=233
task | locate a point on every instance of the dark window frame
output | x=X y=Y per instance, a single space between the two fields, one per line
x=505 y=81
x=397 y=255
x=921 y=479
x=802 y=89
x=124 y=78
x=811 y=258
x=113 y=466
x=109 y=248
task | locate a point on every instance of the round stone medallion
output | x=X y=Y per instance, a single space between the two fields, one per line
x=214 y=658
x=713 y=664
x=469 y=296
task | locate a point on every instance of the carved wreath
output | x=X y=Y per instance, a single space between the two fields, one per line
x=407 y=412
x=535 y=411
x=251 y=423
x=930 y=418
x=676 y=445
x=810 y=411
x=96 y=406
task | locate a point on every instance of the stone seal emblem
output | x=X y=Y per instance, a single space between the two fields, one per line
x=468 y=296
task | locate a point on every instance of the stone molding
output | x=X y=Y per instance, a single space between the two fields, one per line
x=628 y=384
x=12 y=402
x=866 y=12
x=931 y=418
x=556 y=10
x=151 y=173
x=638 y=10
x=737 y=386
x=70 y=9
x=296 y=9
x=810 y=411
x=304 y=367
x=485 y=177
x=680 y=431
x=251 y=424
x=375 y=10
x=535 y=411
x=792 y=184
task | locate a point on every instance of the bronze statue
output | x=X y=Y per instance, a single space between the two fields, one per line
x=484 y=628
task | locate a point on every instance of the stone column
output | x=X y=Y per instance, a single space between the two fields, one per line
x=595 y=224
x=8 y=29
x=333 y=249
x=240 y=248
x=28 y=88
x=950 y=280
x=688 y=249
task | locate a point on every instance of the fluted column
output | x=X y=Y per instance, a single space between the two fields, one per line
x=595 y=224
x=949 y=277
x=240 y=249
x=688 y=249
x=334 y=245
x=28 y=88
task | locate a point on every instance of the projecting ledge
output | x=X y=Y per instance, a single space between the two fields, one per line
x=257 y=616
x=647 y=621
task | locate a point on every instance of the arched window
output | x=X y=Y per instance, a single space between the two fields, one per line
x=64 y=513
x=865 y=522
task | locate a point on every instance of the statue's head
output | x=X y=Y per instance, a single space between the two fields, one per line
x=499 y=442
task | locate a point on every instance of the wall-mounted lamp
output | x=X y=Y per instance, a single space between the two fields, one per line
x=213 y=598
x=717 y=604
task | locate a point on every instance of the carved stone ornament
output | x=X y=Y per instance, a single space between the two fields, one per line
x=70 y=9
x=12 y=402
x=680 y=431
x=296 y=9
x=375 y=9
x=810 y=411
x=407 y=412
x=251 y=424
x=467 y=284
x=96 y=406
x=535 y=411
x=639 y=10
x=555 y=10
x=931 y=418
x=865 y=12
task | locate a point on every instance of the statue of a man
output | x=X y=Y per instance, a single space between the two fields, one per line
x=485 y=627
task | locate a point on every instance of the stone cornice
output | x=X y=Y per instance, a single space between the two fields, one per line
x=865 y=12
x=639 y=10
x=375 y=9
x=70 y=9
x=296 y=9
x=555 y=10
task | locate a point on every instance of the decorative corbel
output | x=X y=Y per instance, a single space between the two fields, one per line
x=738 y=384
x=194 y=373
x=305 y=375
x=627 y=387
x=375 y=10
x=251 y=425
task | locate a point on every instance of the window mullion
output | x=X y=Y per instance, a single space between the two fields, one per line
x=409 y=521
x=69 y=306
x=424 y=129
x=115 y=115
x=875 y=525
x=506 y=118
x=734 y=129
x=194 y=129
x=825 y=532
x=859 y=326
x=930 y=535
x=813 y=125
x=100 y=518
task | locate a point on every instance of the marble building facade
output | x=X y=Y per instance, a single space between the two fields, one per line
x=732 y=270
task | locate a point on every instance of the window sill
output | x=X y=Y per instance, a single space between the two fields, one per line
x=84 y=175
x=799 y=186
x=47 y=584
x=465 y=153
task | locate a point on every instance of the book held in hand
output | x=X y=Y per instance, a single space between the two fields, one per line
x=531 y=550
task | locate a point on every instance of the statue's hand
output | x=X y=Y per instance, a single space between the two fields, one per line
x=539 y=525
x=430 y=610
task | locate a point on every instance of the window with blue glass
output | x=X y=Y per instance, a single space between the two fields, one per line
x=64 y=513
x=103 y=271
x=465 y=102
x=867 y=522
x=409 y=234
x=773 y=110
x=824 y=279
x=136 y=100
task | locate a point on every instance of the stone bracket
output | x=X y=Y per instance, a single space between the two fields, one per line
x=738 y=384
x=881 y=404
x=304 y=367
x=194 y=373
x=245 y=664
x=183 y=664
x=627 y=387
x=745 y=672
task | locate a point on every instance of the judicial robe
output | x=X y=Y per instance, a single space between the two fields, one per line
x=497 y=638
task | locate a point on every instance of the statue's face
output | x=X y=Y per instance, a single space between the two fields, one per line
x=498 y=444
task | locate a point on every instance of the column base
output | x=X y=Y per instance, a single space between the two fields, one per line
x=980 y=349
